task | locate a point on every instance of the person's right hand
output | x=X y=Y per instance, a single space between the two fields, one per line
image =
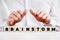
x=15 y=17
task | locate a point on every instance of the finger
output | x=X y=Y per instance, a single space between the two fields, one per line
x=16 y=20
x=48 y=18
x=47 y=21
x=44 y=16
x=19 y=19
x=24 y=13
x=14 y=17
x=41 y=14
x=16 y=14
x=33 y=12
x=10 y=22
x=20 y=12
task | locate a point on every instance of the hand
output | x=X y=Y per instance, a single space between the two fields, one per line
x=16 y=16
x=40 y=16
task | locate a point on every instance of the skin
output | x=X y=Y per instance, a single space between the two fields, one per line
x=41 y=17
x=17 y=16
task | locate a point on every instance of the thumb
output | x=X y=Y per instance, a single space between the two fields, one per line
x=24 y=13
x=33 y=12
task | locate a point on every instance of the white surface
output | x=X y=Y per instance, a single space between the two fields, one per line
x=29 y=36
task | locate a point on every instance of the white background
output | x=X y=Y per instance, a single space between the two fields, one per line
x=29 y=35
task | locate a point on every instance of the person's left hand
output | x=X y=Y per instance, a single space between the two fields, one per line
x=40 y=16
